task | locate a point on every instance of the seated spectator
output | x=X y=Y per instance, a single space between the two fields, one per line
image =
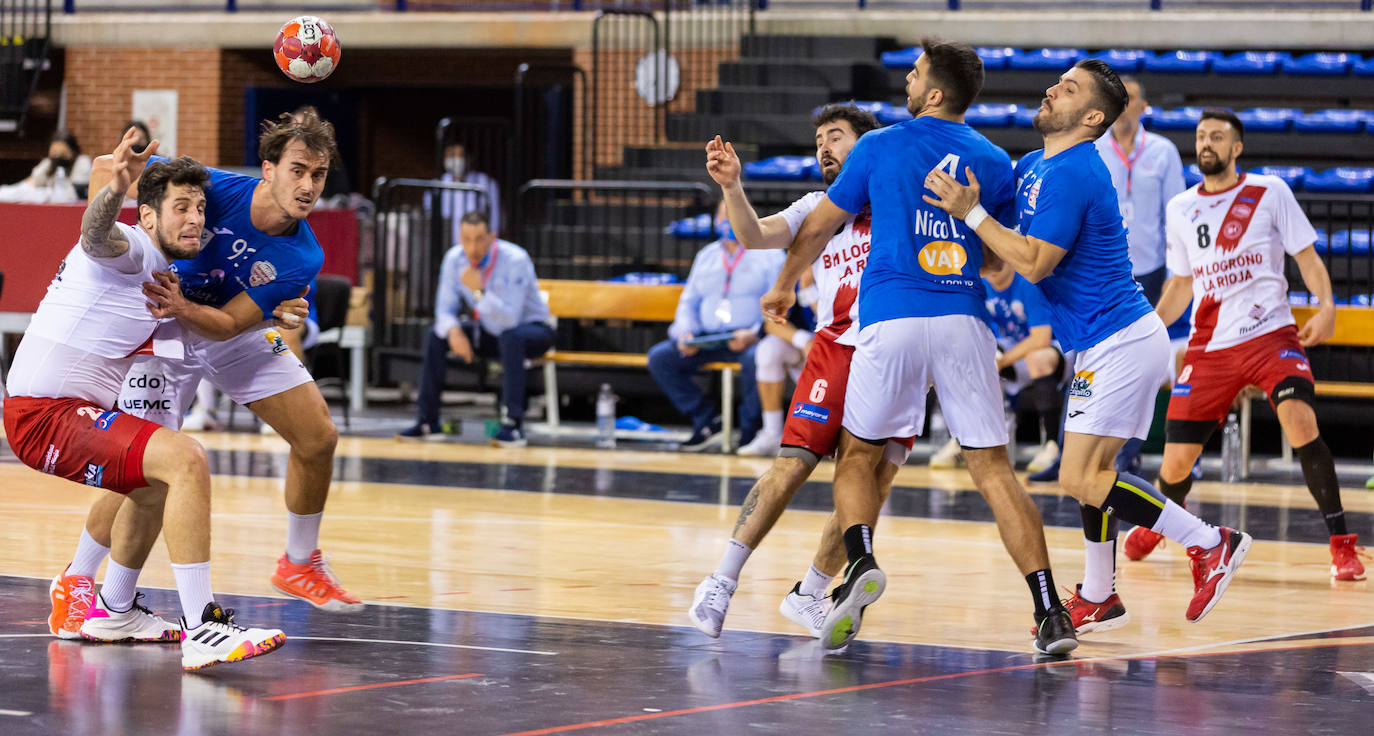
x=718 y=319
x=457 y=169
x=781 y=353
x=145 y=136
x=493 y=281
x=1028 y=359
x=54 y=179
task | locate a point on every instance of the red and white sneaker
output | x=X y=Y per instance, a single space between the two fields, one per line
x=314 y=583
x=1213 y=569
x=1140 y=542
x=1345 y=558
x=71 y=601
x=1089 y=617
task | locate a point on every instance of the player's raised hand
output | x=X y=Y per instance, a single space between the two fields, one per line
x=776 y=303
x=127 y=164
x=722 y=163
x=950 y=195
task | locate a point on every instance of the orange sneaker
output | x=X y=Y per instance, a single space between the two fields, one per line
x=71 y=600
x=314 y=583
x=1345 y=558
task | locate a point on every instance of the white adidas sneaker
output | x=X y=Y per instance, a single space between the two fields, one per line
x=710 y=603
x=805 y=611
x=136 y=624
x=218 y=639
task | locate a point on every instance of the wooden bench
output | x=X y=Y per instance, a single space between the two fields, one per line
x=1354 y=328
x=600 y=300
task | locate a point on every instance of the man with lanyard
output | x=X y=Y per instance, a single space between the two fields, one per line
x=494 y=280
x=258 y=252
x=1071 y=243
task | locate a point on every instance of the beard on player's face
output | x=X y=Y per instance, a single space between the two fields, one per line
x=1211 y=161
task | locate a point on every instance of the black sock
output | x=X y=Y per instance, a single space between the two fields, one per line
x=1097 y=525
x=1176 y=492
x=1049 y=404
x=1134 y=500
x=1046 y=598
x=858 y=541
x=1319 y=470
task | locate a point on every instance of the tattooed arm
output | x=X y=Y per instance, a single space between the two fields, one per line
x=100 y=238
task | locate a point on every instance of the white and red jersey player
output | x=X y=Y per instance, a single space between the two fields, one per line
x=1233 y=243
x=837 y=271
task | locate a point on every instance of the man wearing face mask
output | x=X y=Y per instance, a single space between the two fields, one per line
x=55 y=178
x=456 y=204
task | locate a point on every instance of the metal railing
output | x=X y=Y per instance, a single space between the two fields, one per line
x=1343 y=219
x=25 y=28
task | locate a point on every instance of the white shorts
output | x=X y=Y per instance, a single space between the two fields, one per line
x=248 y=367
x=897 y=361
x=1112 y=393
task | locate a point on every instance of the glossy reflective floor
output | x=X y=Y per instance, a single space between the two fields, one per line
x=544 y=591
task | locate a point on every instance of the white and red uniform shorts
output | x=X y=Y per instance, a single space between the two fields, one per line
x=817 y=408
x=1209 y=381
x=79 y=441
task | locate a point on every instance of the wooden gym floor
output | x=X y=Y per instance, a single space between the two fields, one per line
x=544 y=590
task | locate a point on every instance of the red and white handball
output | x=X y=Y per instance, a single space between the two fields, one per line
x=307 y=50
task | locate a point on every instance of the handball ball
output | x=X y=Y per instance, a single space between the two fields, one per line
x=306 y=49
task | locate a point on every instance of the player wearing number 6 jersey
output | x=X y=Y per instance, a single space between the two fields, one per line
x=812 y=427
x=920 y=307
x=1227 y=240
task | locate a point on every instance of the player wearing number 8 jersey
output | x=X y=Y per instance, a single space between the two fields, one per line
x=1227 y=240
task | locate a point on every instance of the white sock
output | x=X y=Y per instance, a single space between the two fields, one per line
x=1177 y=524
x=772 y=423
x=815 y=583
x=302 y=536
x=119 y=587
x=89 y=555
x=1099 y=571
x=733 y=560
x=193 y=586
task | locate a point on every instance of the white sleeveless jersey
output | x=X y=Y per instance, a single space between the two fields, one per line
x=94 y=317
x=836 y=270
x=1233 y=243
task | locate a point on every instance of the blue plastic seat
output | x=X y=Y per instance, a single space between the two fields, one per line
x=1124 y=61
x=1355 y=242
x=989 y=115
x=1298 y=298
x=1268 y=119
x=995 y=57
x=1255 y=63
x=780 y=168
x=1293 y=176
x=1056 y=60
x=1331 y=121
x=1183 y=118
x=1192 y=175
x=1181 y=62
x=1321 y=63
x=1340 y=179
x=893 y=114
x=1322 y=242
x=1363 y=67
x=1024 y=116
x=903 y=59
x=700 y=226
x=1361 y=300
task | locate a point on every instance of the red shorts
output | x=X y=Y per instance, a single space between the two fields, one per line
x=1209 y=381
x=813 y=421
x=79 y=441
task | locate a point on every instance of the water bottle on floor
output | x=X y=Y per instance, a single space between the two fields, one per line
x=1230 y=449
x=605 y=417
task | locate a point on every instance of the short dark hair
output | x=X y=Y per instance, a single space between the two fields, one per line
x=69 y=138
x=184 y=170
x=957 y=71
x=142 y=127
x=1109 y=94
x=477 y=217
x=1219 y=113
x=304 y=125
x=1128 y=79
x=861 y=121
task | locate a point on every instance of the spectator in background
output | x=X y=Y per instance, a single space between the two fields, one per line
x=718 y=319
x=145 y=137
x=458 y=169
x=54 y=179
x=494 y=281
x=781 y=353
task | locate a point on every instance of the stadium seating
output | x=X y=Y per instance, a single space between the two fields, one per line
x=1320 y=64
x=1268 y=119
x=1191 y=175
x=1355 y=242
x=995 y=57
x=1347 y=179
x=1056 y=60
x=1291 y=175
x=1125 y=61
x=783 y=168
x=987 y=115
x=1181 y=62
x=1183 y=118
x=1331 y=121
x=1257 y=63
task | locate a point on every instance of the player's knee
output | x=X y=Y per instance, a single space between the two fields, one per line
x=319 y=441
x=1077 y=481
x=176 y=458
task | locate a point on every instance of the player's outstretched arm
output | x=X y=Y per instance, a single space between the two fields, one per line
x=1032 y=257
x=806 y=247
x=724 y=167
x=166 y=300
x=1318 y=282
x=1176 y=296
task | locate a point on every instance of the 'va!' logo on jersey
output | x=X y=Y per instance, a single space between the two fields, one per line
x=1082 y=385
x=279 y=346
x=942 y=257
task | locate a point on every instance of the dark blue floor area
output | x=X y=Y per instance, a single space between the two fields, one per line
x=636 y=679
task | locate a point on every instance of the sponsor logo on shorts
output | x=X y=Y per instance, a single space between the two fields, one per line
x=50 y=459
x=1081 y=387
x=1185 y=374
x=1303 y=367
x=263 y=272
x=94 y=474
x=1183 y=389
x=1283 y=393
x=152 y=382
x=278 y=345
x=1290 y=354
x=104 y=421
x=1076 y=413
x=818 y=414
x=146 y=405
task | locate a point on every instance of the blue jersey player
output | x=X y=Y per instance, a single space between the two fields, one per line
x=1071 y=241
x=257 y=251
x=920 y=324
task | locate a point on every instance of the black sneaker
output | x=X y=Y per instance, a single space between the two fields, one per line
x=511 y=435
x=863 y=584
x=421 y=431
x=704 y=438
x=1055 y=633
